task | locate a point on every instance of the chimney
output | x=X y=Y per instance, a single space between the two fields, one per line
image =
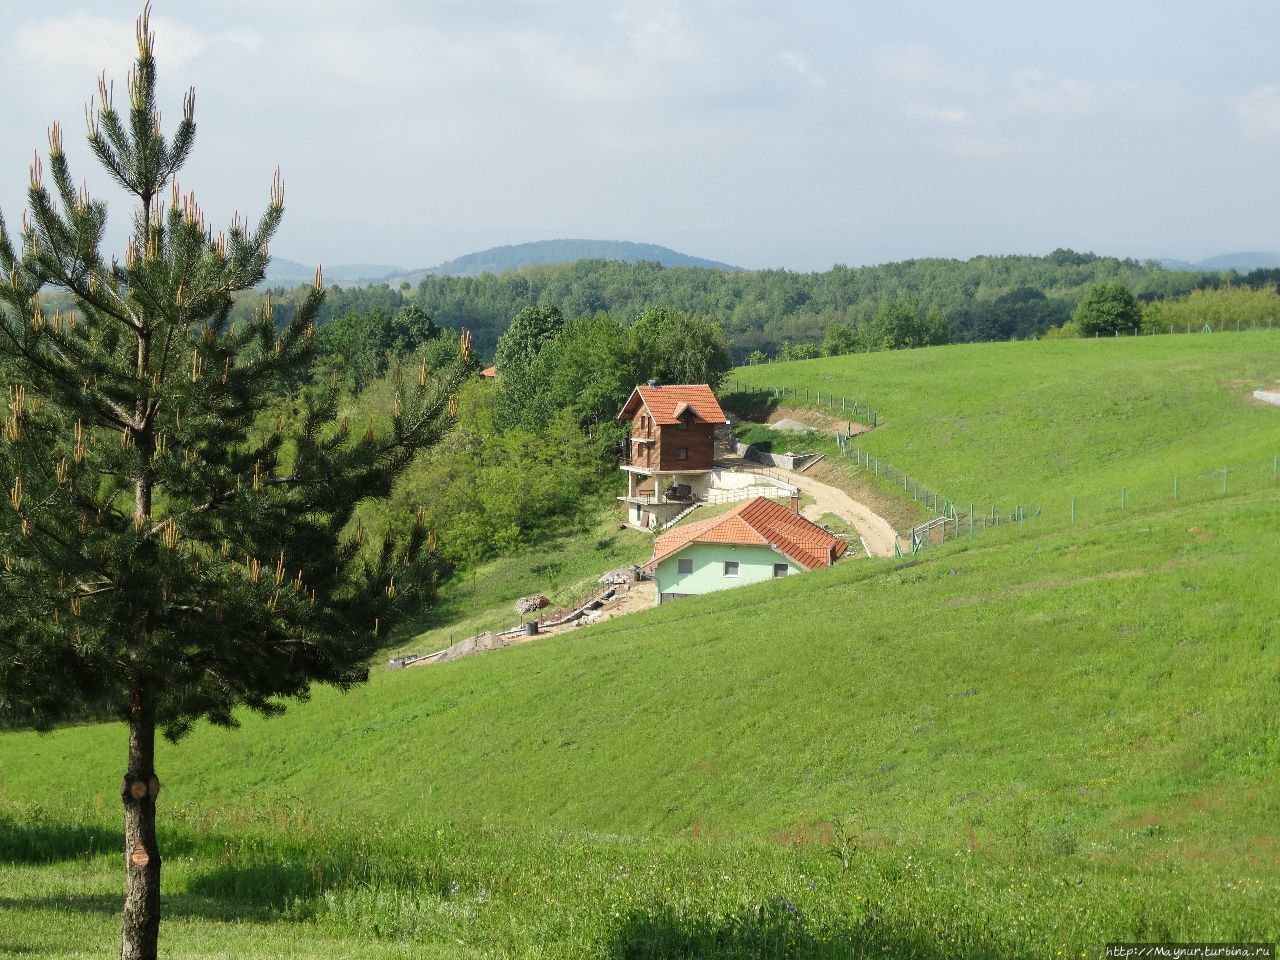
x=795 y=503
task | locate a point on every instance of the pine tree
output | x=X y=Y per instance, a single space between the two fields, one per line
x=176 y=545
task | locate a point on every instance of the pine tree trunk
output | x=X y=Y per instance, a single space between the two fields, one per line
x=141 y=853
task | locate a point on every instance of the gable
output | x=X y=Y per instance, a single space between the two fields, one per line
x=667 y=405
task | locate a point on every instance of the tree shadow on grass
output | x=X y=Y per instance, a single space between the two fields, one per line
x=253 y=892
x=46 y=841
x=288 y=888
x=752 y=405
x=776 y=931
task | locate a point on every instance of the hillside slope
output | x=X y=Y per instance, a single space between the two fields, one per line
x=1025 y=744
x=1037 y=423
x=1038 y=683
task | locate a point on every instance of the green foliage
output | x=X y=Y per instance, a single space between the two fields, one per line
x=672 y=346
x=587 y=370
x=359 y=345
x=1108 y=308
x=757 y=357
x=1021 y=314
x=355 y=345
x=841 y=338
x=902 y=324
x=982 y=298
x=761 y=309
x=530 y=330
x=1222 y=308
x=487 y=490
x=1069 y=330
x=798 y=351
x=174 y=546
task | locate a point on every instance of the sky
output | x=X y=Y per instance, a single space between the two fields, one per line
x=763 y=134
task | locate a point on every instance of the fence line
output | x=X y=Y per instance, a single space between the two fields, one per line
x=857 y=408
x=953 y=520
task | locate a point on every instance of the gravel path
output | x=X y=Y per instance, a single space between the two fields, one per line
x=875 y=530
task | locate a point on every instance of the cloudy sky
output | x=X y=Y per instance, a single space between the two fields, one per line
x=768 y=133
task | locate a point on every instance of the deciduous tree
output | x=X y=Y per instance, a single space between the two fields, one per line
x=1107 y=308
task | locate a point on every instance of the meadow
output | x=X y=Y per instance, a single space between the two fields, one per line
x=1110 y=422
x=1025 y=745
x=1050 y=740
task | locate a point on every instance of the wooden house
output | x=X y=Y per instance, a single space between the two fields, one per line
x=672 y=445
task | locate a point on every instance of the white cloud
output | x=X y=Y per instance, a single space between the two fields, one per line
x=87 y=40
x=1041 y=93
x=1258 y=113
x=804 y=67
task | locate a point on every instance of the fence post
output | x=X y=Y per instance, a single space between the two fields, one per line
x=971 y=522
x=1122 y=497
x=1175 y=486
x=1073 y=509
x=1226 y=473
x=1275 y=468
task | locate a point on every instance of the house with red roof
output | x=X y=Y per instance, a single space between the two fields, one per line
x=759 y=539
x=671 y=449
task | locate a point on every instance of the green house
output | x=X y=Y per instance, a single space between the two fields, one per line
x=759 y=539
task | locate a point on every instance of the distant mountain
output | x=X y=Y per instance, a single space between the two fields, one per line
x=290 y=273
x=515 y=256
x=1240 y=262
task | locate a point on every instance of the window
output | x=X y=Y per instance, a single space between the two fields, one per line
x=684 y=566
x=731 y=568
x=682 y=425
x=780 y=569
x=682 y=453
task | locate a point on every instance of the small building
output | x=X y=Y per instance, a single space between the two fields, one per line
x=760 y=539
x=488 y=373
x=671 y=449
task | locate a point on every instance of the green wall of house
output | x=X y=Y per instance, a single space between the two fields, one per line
x=754 y=564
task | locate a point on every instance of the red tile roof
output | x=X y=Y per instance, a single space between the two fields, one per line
x=758 y=522
x=489 y=373
x=665 y=404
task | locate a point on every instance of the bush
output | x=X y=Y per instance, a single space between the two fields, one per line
x=1108 y=308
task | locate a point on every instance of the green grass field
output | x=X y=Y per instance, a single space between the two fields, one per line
x=1037 y=423
x=1023 y=746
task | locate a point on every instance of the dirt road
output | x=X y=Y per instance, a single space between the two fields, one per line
x=874 y=529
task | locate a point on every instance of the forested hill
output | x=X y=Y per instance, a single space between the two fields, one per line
x=517 y=256
x=985 y=298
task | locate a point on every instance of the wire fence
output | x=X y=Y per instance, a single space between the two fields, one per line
x=956 y=519
x=858 y=410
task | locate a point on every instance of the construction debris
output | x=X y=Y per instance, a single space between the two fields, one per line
x=532 y=604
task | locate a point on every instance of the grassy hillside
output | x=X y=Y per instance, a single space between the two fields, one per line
x=1027 y=745
x=1014 y=704
x=1036 y=423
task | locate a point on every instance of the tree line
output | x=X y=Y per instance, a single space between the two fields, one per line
x=983 y=298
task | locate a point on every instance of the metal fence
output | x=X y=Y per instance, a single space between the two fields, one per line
x=859 y=410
